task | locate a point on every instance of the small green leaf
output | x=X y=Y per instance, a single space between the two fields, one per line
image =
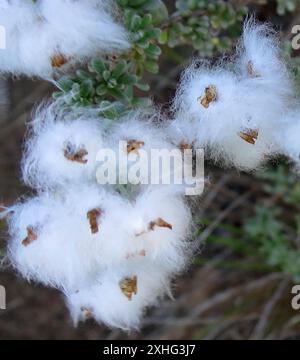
x=106 y=75
x=163 y=38
x=158 y=10
x=101 y=90
x=142 y=86
x=135 y=22
x=119 y=69
x=153 y=50
x=87 y=88
x=152 y=66
x=112 y=83
x=128 y=79
x=65 y=84
x=111 y=110
x=98 y=66
x=146 y=21
x=82 y=74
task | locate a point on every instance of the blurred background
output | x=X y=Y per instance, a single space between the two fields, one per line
x=239 y=284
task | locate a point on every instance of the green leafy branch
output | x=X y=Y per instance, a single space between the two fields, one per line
x=116 y=83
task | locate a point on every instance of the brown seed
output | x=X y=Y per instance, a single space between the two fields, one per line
x=87 y=312
x=139 y=253
x=142 y=253
x=128 y=287
x=31 y=236
x=134 y=146
x=209 y=96
x=185 y=146
x=75 y=155
x=159 y=223
x=93 y=216
x=58 y=60
x=250 y=136
x=112 y=58
x=251 y=70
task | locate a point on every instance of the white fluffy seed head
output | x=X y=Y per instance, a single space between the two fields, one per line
x=259 y=58
x=104 y=300
x=163 y=223
x=237 y=114
x=62 y=147
x=48 y=246
x=183 y=131
x=45 y=37
x=65 y=239
x=233 y=111
x=134 y=229
x=112 y=239
x=84 y=27
x=137 y=126
x=16 y=17
x=143 y=140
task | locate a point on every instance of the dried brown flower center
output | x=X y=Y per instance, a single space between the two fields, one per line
x=210 y=95
x=249 y=135
x=31 y=236
x=159 y=223
x=185 y=146
x=75 y=155
x=128 y=287
x=58 y=60
x=138 y=253
x=93 y=217
x=134 y=146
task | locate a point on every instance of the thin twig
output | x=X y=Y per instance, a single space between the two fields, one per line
x=260 y=328
x=210 y=229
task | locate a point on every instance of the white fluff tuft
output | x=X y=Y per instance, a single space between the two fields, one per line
x=47 y=36
x=62 y=147
x=106 y=303
x=59 y=251
x=52 y=242
x=150 y=140
x=237 y=114
x=168 y=245
x=260 y=58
